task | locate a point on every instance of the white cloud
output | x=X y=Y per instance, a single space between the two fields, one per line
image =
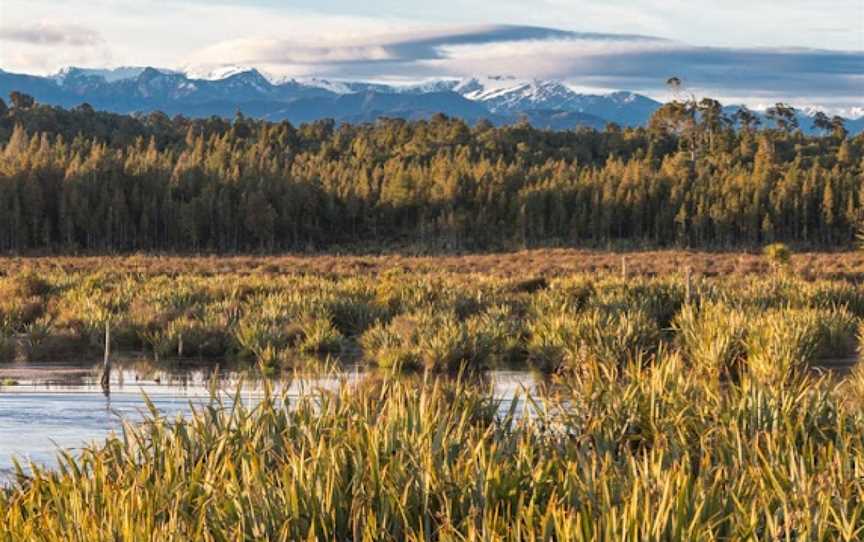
x=353 y=40
x=42 y=45
x=600 y=61
x=51 y=34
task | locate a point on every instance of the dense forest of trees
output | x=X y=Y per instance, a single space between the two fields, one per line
x=85 y=180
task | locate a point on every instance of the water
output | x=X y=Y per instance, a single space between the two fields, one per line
x=57 y=408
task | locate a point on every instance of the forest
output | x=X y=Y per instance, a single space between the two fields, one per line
x=80 y=180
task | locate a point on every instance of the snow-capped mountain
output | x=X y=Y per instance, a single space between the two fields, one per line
x=853 y=113
x=343 y=87
x=523 y=95
x=221 y=73
x=215 y=74
x=506 y=95
x=108 y=74
x=228 y=89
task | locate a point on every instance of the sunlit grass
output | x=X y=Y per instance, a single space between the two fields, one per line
x=668 y=417
x=778 y=326
x=638 y=452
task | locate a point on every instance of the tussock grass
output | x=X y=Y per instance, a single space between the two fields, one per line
x=641 y=452
x=777 y=325
x=666 y=419
x=713 y=337
x=785 y=342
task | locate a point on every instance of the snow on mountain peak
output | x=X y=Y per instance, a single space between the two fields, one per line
x=110 y=75
x=214 y=74
x=221 y=73
x=336 y=87
x=508 y=93
x=850 y=113
x=854 y=113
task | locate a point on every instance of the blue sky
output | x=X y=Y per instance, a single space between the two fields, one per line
x=756 y=51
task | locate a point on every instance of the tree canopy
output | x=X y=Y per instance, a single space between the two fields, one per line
x=81 y=179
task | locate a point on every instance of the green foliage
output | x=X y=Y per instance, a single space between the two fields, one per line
x=320 y=336
x=713 y=338
x=612 y=337
x=782 y=343
x=714 y=428
x=779 y=254
x=651 y=453
x=7 y=347
x=73 y=180
x=441 y=322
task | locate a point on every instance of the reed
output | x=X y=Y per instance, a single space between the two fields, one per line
x=437 y=321
x=713 y=338
x=644 y=452
x=664 y=418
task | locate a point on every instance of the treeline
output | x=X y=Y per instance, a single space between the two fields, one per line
x=85 y=180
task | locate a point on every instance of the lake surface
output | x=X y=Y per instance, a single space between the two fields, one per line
x=63 y=407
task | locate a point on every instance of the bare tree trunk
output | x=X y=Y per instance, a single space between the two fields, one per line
x=688 y=285
x=106 y=362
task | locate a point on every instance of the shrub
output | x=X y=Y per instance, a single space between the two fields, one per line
x=782 y=344
x=444 y=346
x=613 y=337
x=252 y=336
x=353 y=315
x=659 y=301
x=778 y=254
x=28 y=284
x=496 y=336
x=18 y=313
x=713 y=338
x=436 y=341
x=828 y=295
x=202 y=339
x=392 y=345
x=548 y=341
x=7 y=348
x=320 y=336
x=601 y=334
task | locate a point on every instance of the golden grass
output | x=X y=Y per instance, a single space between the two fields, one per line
x=638 y=453
x=523 y=264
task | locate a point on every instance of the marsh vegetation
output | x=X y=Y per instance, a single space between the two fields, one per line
x=674 y=407
x=636 y=451
x=774 y=325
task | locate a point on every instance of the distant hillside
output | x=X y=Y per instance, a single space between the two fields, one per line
x=500 y=100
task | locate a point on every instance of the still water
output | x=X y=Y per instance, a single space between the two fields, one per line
x=57 y=408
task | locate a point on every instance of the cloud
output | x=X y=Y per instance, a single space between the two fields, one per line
x=340 y=39
x=52 y=34
x=395 y=48
x=588 y=60
x=44 y=45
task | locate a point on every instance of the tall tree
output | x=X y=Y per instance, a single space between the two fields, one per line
x=746 y=119
x=21 y=101
x=822 y=123
x=783 y=117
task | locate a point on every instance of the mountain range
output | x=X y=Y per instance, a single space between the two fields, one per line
x=501 y=100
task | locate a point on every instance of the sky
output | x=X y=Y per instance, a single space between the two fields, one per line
x=806 y=52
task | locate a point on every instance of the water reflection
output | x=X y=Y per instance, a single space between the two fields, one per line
x=53 y=407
